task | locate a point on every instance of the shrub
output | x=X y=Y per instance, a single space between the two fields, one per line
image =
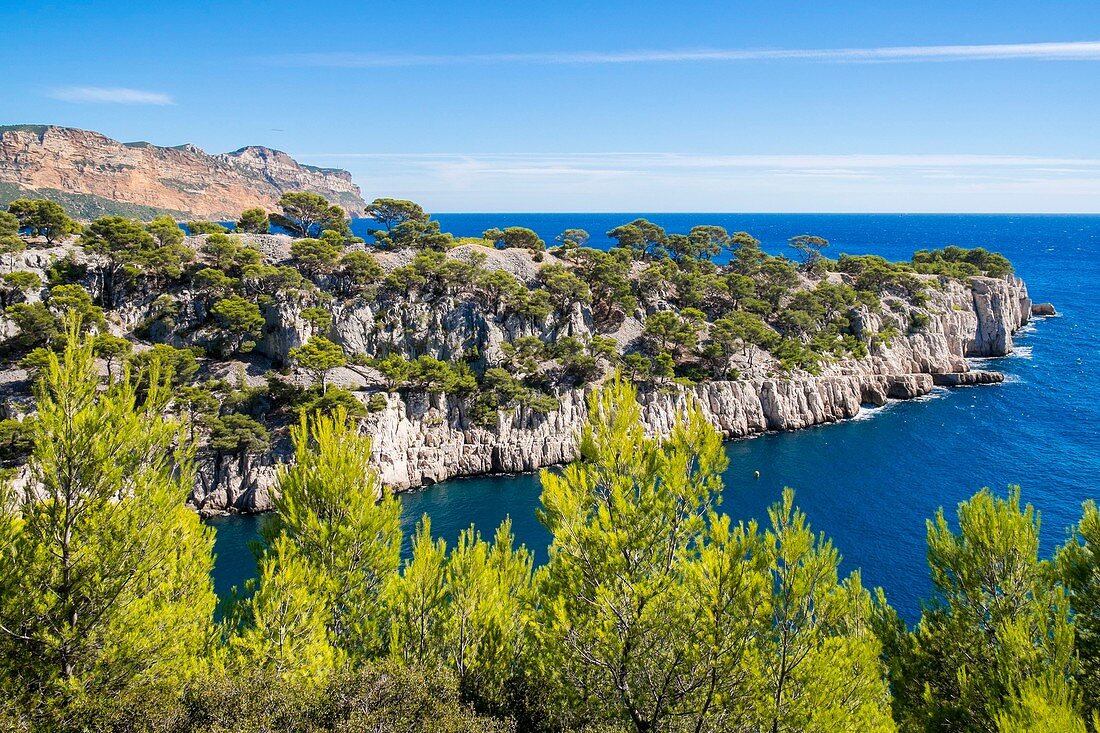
x=253 y=221
x=196 y=228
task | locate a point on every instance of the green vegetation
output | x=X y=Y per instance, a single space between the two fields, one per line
x=317 y=257
x=253 y=221
x=11 y=243
x=519 y=237
x=654 y=612
x=406 y=226
x=240 y=322
x=426 y=373
x=197 y=228
x=319 y=356
x=809 y=250
x=1000 y=631
x=499 y=333
x=959 y=262
x=130 y=250
x=43 y=218
x=327 y=555
x=307 y=213
x=226 y=253
x=106 y=576
x=83 y=206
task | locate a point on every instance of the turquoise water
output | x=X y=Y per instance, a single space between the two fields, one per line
x=870 y=483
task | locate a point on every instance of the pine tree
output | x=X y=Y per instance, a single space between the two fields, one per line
x=343 y=525
x=728 y=588
x=279 y=625
x=416 y=599
x=1042 y=706
x=463 y=609
x=996 y=625
x=105 y=581
x=820 y=660
x=1078 y=564
x=616 y=637
x=318 y=357
x=656 y=613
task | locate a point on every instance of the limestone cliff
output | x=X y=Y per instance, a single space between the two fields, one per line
x=94 y=175
x=912 y=344
x=422 y=439
x=426 y=440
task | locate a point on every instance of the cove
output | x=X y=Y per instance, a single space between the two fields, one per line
x=868 y=484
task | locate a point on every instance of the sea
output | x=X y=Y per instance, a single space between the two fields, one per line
x=869 y=484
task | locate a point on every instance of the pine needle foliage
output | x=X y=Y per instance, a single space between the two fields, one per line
x=336 y=527
x=657 y=614
x=105 y=579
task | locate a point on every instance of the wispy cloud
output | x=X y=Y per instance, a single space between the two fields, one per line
x=653 y=181
x=1057 y=51
x=109 y=95
x=650 y=160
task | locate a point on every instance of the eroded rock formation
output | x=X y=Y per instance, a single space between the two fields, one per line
x=422 y=439
x=101 y=175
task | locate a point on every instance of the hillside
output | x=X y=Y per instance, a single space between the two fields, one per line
x=463 y=359
x=93 y=175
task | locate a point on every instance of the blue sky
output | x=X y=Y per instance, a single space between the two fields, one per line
x=574 y=106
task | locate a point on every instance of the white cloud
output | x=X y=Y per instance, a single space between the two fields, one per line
x=619 y=161
x=110 y=95
x=675 y=182
x=1057 y=51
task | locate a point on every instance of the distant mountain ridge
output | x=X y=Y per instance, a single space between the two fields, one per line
x=92 y=175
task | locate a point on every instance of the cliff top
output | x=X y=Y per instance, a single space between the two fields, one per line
x=92 y=174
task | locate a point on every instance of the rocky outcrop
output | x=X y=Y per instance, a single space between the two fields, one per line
x=93 y=174
x=241 y=483
x=422 y=439
x=999 y=311
x=967 y=379
x=1043 y=309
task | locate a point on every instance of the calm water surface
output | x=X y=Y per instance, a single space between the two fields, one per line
x=870 y=483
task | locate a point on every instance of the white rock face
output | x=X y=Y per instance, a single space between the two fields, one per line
x=429 y=438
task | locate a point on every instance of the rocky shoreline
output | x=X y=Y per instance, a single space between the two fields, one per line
x=422 y=439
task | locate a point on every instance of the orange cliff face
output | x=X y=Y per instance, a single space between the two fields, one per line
x=184 y=179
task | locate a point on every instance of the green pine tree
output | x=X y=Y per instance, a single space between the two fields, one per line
x=1042 y=706
x=1078 y=564
x=105 y=582
x=820 y=662
x=463 y=609
x=335 y=526
x=280 y=623
x=656 y=613
x=416 y=601
x=996 y=626
x=618 y=640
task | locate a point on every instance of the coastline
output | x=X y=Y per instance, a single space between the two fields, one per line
x=425 y=439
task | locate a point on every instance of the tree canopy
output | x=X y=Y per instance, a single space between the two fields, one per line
x=518 y=237
x=654 y=611
x=43 y=218
x=253 y=221
x=318 y=357
x=106 y=582
x=305 y=214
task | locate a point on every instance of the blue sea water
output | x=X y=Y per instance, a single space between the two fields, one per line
x=869 y=484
